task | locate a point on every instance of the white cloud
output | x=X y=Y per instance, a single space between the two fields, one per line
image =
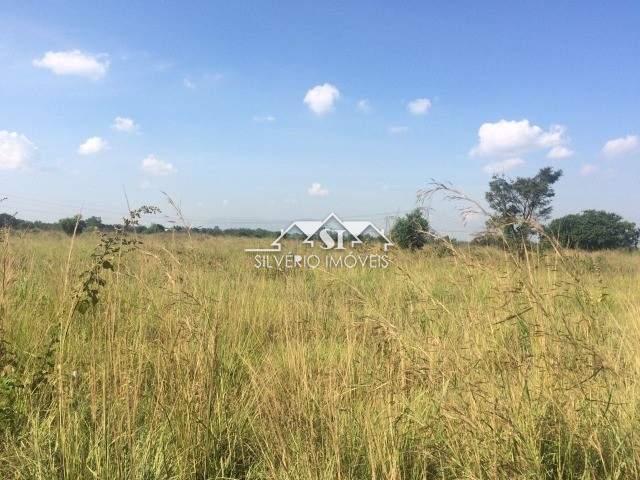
x=503 y=166
x=398 y=129
x=157 y=167
x=364 y=106
x=558 y=152
x=264 y=118
x=621 y=146
x=419 y=106
x=321 y=98
x=74 y=62
x=92 y=145
x=15 y=150
x=317 y=190
x=510 y=138
x=588 y=169
x=124 y=124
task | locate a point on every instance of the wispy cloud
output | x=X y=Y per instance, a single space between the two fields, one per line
x=203 y=80
x=163 y=66
x=588 y=169
x=317 y=190
x=398 y=129
x=419 y=106
x=364 y=106
x=187 y=82
x=154 y=166
x=503 y=166
x=559 y=152
x=124 y=124
x=264 y=118
x=618 y=147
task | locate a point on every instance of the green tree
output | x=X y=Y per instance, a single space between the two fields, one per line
x=94 y=223
x=72 y=225
x=156 y=228
x=8 y=220
x=519 y=203
x=594 y=230
x=411 y=231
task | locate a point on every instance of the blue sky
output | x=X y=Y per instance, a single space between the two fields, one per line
x=211 y=104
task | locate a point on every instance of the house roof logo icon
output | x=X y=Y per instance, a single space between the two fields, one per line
x=310 y=228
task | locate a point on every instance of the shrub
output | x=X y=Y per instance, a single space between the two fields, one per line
x=411 y=231
x=594 y=230
x=94 y=223
x=72 y=225
x=155 y=228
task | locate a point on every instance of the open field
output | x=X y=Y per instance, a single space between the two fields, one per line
x=194 y=365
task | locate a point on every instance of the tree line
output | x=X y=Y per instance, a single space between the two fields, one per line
x=77 y=225
x=517 y=211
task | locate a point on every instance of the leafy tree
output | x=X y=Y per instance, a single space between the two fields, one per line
x=155 y=228
x=68 y=225
x=94 y=223
x=594 y=230
x=519 y=203
x=411 y=231
x=8 y=220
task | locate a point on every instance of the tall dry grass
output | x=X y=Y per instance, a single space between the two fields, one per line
x=194 y=365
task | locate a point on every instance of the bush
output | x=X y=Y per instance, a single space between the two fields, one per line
x=155 y=228
x=72 y=225
x=7 y=220
x=411 y=231
x=94 y=223
x=594 y=230
x=488 y=239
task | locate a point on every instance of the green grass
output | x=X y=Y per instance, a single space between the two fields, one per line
x=195 y=365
